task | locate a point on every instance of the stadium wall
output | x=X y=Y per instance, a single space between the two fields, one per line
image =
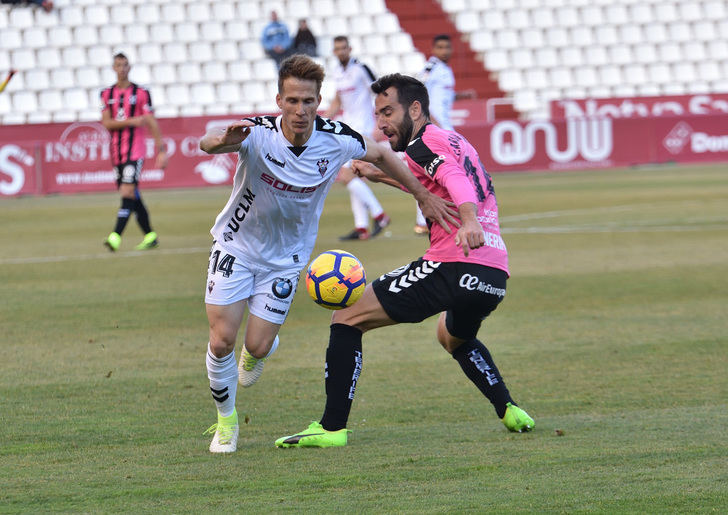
x=73 y=157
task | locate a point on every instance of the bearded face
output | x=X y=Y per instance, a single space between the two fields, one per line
x=404 y=133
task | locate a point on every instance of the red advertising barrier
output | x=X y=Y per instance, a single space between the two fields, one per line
x=640 y=107
x=581 y=143
x=70 y=158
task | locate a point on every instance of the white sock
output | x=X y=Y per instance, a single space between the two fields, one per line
x=223 y=375
x=420 y=217
x=273 y=347
x=361 y=219
x=365 y=194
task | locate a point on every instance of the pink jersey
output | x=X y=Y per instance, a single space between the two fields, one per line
x=127 y=144
x=449 y=167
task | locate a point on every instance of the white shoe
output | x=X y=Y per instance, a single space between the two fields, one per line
x=226 y=434
x=250 y=368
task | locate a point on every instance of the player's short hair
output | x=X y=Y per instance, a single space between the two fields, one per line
x=339 y=39
x=302 y=67
x=121 y=55
x=441 y=37
x=408 y=89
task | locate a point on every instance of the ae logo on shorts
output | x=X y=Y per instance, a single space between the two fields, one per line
x=282 y=287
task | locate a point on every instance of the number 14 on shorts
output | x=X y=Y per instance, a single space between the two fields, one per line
x=222 y=264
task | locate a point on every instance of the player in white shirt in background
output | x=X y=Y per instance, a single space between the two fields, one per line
x=264 y=235
x=440 y=83
x=356 y=101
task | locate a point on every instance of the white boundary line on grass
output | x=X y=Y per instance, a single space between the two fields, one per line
x=101 y=255
x=560 y=229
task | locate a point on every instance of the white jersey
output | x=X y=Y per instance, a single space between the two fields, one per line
x=272 y=217
x=440 y=83
x=353 y=85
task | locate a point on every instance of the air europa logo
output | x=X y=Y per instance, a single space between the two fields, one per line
x=590 y=138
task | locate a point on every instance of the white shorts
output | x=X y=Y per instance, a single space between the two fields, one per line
x=269 y=292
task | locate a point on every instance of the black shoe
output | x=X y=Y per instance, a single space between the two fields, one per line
x=378 y=225
x=356 y=234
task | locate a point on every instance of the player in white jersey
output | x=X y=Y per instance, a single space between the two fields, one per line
x=440 y=83
x=354 y=98
x=264 y=235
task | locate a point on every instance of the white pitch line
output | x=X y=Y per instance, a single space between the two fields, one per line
x=104 y=255
x=571 y=229
x=560 y=229
x=588 y=210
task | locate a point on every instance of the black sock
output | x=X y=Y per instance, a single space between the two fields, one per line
x=478 y=365
x=142 y=215
x=343 y=366
x=122 y=216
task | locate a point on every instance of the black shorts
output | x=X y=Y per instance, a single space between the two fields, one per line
x=129 y=172
x=467 y=292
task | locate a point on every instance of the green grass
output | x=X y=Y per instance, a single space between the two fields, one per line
x=612 y=335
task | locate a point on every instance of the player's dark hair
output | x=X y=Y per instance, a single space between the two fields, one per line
x=408 y=89
x=302 y=67
x=338 y=39
x=441 y=37
x=121 y=55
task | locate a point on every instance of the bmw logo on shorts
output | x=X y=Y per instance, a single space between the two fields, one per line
x=282 y=287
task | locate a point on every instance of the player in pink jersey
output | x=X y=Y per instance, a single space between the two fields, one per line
x=461 y=277
x=126 y=111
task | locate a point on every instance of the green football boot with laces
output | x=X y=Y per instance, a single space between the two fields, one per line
x=517 y=420
x=315 y=436
x=113 y=242
x=149 y=242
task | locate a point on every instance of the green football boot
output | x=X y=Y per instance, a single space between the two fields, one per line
x=113 y=242
x=517 y=420
x=315 y=436
x=149 y=242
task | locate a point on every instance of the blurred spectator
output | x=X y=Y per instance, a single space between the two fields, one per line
x=440 y=82
x=47 y=5
x=305 y=41
x=276 y=39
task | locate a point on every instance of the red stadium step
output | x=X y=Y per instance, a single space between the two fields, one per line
x=423 y=20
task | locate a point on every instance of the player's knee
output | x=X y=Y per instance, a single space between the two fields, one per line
x=222 y=343
x=259 y=346
x=448 y=341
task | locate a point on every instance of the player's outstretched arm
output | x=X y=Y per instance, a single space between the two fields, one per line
x=433 y=207
x=374 y=174
x=220 y=141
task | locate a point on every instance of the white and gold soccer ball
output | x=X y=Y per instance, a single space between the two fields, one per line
x=335 y=279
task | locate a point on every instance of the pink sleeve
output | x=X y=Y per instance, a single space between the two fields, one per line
x=452 y=175
x=105 y=99
x=457 y=183
x=146 y=102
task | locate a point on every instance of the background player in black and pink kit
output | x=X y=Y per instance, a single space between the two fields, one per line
x=126 y=111
x=461 y=277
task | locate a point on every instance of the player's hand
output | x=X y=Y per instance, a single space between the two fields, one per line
x=367 y=170
x=235 y=133
x=470 y=236
x=162 y=159
x=439 y=211
x=138 y=121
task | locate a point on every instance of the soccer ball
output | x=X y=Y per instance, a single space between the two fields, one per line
x=335 y=279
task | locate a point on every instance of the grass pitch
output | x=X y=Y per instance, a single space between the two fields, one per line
x=612 y=336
